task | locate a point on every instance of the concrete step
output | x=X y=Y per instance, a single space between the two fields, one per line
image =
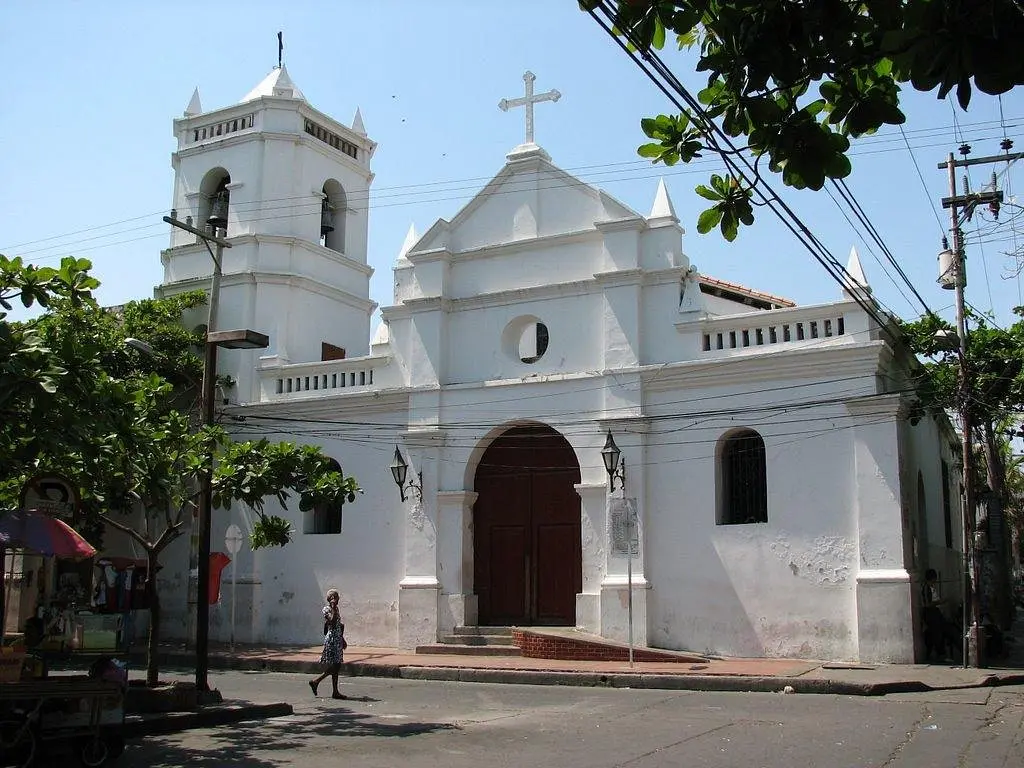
x=470 y=650
x=476 y=639
x=490 y=631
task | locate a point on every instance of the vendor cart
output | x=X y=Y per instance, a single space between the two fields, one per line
x=80 y=714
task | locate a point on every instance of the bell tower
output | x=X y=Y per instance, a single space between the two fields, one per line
x=290 y=187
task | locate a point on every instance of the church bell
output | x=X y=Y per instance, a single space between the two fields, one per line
x=219 y=210
x=326 y=217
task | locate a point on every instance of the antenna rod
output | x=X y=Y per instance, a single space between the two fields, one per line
x=280 y=49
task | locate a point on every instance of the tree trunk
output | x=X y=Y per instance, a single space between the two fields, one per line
x=997 y=597
x=153 y=643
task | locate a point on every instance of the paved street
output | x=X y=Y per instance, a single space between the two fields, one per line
x=424 y=724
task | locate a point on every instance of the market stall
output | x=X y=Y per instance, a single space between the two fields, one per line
x=40 y=713
x=59 y=560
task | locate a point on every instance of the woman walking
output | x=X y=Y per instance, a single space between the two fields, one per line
x=334 y=645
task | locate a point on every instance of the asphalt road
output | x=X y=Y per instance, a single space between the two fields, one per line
x=422 y=724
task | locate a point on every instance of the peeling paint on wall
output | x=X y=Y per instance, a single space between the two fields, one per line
x=827 y=561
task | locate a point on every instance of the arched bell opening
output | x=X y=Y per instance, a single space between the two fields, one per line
x=333 y=212
x=215 y=201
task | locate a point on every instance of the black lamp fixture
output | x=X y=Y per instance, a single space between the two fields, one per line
x=399 y=471
x=615 y=468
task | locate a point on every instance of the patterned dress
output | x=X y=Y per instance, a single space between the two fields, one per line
x=333 y=639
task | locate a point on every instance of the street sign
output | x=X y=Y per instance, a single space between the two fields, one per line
x=50 y=493
x=625 y=537
x=233 y=539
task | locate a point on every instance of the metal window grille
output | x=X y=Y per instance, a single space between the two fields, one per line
x=744 y=480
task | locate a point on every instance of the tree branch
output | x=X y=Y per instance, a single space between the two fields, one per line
x=124 y=528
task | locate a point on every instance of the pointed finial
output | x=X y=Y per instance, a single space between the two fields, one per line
x=662 y=208
x=410 y=240
x=855 y=273
x=195 y=106
x=280 y=48
x=357 y=123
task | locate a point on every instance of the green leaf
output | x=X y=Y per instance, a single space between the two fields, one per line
x=709 y=194
x=650 y=126
x=729 y=225
x=708 y=220
x=658 y=41
x=650 y=150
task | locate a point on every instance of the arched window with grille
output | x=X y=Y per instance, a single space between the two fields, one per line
x=743 y=483
x=325 y=518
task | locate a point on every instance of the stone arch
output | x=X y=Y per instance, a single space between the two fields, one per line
x=333 y=214
x=528 y=565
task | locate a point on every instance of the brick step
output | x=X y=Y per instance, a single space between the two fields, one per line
x=470 y=650
x=490 y=631
x=477 y=639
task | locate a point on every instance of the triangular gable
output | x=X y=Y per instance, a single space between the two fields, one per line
x=529 y=197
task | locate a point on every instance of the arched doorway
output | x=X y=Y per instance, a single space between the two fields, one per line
x=526 y=530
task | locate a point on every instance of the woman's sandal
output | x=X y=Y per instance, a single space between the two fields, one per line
x=313 y=685
x=337 y=695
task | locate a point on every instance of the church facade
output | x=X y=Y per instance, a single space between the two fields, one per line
x=770 y=497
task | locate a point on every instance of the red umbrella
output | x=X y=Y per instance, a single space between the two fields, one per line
x=42 y=534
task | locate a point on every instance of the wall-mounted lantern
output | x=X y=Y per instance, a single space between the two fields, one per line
x=614 y=465
x=400 y=471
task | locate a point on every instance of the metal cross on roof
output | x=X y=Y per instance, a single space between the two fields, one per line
x=528 y=101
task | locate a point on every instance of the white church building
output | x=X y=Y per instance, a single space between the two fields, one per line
x=785 y=504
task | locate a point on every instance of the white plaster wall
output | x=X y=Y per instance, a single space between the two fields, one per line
x=661 y=341
x=480 y=349
x=364 y=561
x=509 y=270
x=784 y=588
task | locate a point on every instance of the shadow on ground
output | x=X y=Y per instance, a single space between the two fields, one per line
x=262 y=744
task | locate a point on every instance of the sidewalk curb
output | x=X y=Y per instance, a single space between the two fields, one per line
x=207 y=717
x=644 y=680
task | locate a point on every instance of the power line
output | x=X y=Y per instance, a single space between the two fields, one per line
x=924 y=186
x=427 y=187
x=714 y=135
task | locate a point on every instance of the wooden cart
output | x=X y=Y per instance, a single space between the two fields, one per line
x=55 y=714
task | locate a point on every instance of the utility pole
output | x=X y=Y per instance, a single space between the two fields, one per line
x=206 y=418
x=973 y=651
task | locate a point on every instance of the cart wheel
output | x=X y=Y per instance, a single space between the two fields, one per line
x=93 y=752
x=17 y=743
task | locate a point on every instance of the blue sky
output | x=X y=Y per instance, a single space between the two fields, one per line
x=86 y=138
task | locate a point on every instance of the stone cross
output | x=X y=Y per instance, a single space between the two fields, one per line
x=528 y=101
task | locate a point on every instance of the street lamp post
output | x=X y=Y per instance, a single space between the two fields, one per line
x=233 y=339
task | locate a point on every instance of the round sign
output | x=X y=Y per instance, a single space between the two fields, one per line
x=52 y=494
x=233 y=539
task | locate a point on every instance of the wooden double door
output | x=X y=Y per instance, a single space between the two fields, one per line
x=526 y=535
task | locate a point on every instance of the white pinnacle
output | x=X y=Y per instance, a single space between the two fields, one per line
x=195 y=106
x=855 y=270
x=662 y=207
x=410 y=240
x=357 y=123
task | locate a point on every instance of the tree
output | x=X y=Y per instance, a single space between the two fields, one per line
x=796 y=81
x=995 y=369
x=127 y=435
x=29 y=370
